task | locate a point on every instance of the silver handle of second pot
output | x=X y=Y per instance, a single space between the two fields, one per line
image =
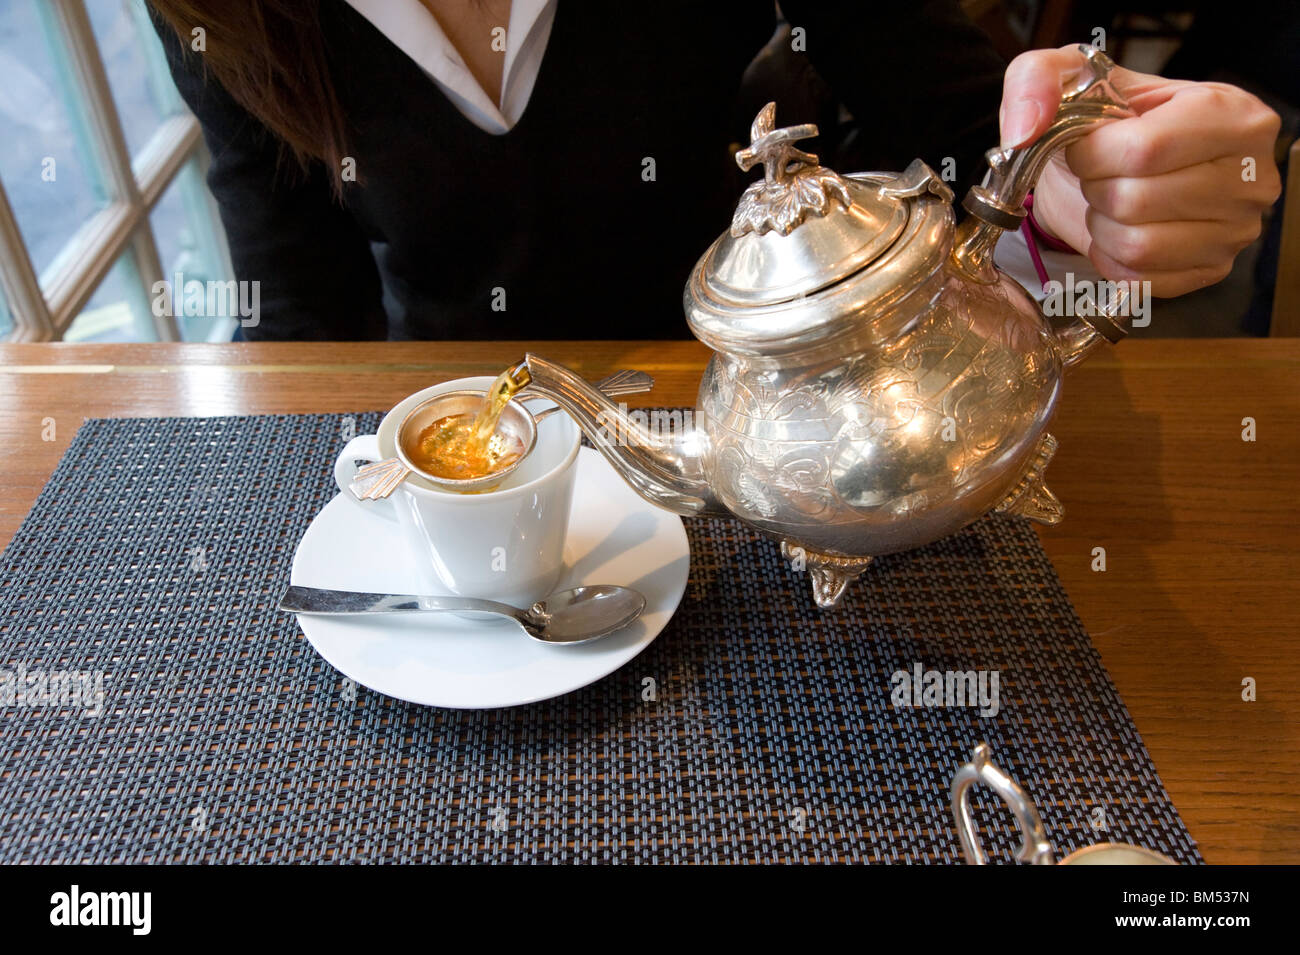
x=1035 y=848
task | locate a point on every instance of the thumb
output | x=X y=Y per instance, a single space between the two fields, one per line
x=1031 y=91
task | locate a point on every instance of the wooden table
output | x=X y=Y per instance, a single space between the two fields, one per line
x=1199 y=527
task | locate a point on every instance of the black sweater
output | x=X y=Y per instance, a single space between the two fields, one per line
x=556 y=218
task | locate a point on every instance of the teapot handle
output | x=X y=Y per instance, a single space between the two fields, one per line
x=1035 y=848
x=997 y=204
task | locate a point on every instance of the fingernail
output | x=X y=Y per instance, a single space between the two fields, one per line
x=1022 y=117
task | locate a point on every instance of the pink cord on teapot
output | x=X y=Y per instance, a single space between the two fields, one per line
x=1036 y=236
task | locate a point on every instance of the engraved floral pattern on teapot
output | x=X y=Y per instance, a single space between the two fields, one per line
x=876 y=383
x=786 y=441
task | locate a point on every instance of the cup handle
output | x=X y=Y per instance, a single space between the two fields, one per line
x=364 y=447
x=1035 y=848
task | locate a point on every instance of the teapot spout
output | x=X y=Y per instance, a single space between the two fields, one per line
x=668 y=470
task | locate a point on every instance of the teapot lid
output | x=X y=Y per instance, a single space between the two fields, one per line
x=803 y=229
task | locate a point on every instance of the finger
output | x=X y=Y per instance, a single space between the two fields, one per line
x=1198 y=123
x=1060 y=207
x=1031 y=92
x=1163 y=284
x=1212 y=190
x=1168 y=246
x=1034 y=81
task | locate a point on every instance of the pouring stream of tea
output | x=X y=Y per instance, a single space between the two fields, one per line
x=505 y=387
x=467 y=446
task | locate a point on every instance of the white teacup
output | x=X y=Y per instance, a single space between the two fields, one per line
x=506 y=544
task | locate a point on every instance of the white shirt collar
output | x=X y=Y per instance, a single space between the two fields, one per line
x=410 y=27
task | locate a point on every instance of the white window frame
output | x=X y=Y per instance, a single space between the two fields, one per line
x=44 y=307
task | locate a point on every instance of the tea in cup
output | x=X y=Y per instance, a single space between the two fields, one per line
x=442 y=439
x=502 y=543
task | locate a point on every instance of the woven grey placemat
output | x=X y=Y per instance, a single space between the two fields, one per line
x=149 y=569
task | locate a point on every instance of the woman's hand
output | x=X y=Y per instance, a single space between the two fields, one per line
x=1170 y=195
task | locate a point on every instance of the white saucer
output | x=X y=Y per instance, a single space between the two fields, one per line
x=615 y=537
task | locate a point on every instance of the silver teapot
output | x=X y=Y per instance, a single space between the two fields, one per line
x=876 y=382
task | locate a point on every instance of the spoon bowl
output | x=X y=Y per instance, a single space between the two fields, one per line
x=583 y=613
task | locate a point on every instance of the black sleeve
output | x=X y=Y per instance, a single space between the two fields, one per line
x=317 y=274
x=918 y=76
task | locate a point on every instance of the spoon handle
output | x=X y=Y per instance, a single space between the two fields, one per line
x=625 y=382
x=628 y=381
x=316 y=600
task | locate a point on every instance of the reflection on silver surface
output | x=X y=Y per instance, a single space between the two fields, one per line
x=1034 y=847
x=567 y=617
x=877 y=384
x=379 y=479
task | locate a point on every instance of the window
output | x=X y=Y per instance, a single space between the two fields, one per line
x=101 y=180
x=6 y=323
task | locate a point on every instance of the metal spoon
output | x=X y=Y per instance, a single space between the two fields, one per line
x=566 y=616
x=625 y=382
x=381 y=478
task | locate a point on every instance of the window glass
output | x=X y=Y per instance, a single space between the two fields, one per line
x=47 y=155
x=137 y=71
x=188 y=248
x=119 y=311
x=6 y=320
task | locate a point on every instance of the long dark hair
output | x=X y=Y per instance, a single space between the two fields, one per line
x=270 y=56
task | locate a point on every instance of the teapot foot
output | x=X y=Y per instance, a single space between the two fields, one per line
x=831 y=574
x=1031 y=498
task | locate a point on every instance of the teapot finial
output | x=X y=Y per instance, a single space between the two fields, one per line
x=793 y=185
